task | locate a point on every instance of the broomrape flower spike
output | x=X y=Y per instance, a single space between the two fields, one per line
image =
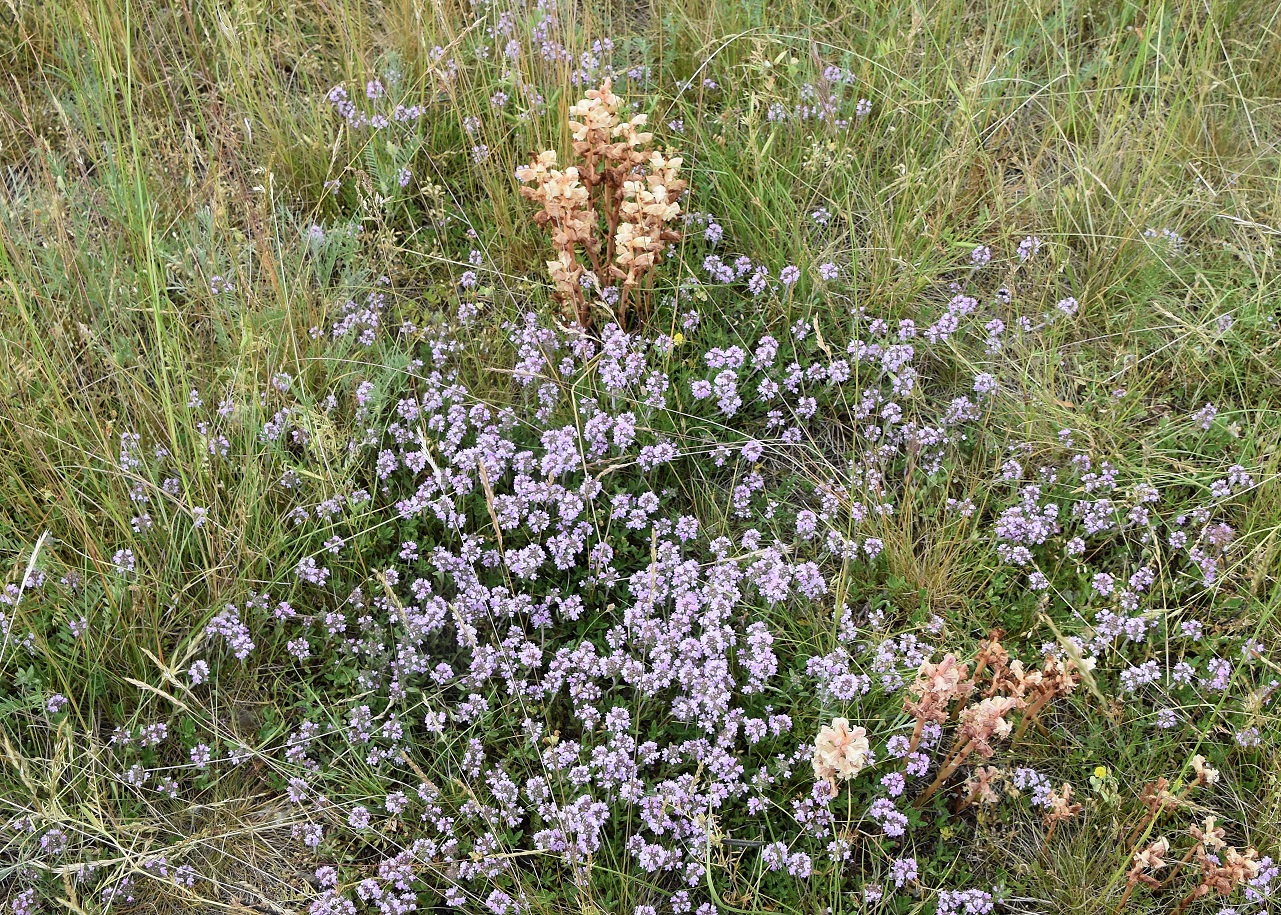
x=991 y=654
x=980 y=725
x=1038 y=689
x=1208 y=835
x=1060 y=808
x=1222 y=873
x=633 y=189
x=1223 y=868
x=1207 y=838
x=935 y=688
x=840 y=752
x=1205 y=775
x=981 y=787
x=1156 y=797
x=1151 y=858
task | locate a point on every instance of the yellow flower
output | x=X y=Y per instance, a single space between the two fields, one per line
x=1101 y=772
x=678 y=338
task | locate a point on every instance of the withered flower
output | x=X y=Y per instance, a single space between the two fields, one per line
x=986 y=721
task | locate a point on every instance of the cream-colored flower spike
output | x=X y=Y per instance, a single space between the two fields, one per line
x=936 y=687
x=1205 y=775
x=840 y=752
x=1209 y=835
x=1152 y=858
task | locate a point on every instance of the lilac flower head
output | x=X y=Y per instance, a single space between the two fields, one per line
x=903 y=871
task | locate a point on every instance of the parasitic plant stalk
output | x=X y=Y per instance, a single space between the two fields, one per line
x=1030 y=714
x=917 y=731
x=981 y=723
x=1060 y=808
x=1151 y=858
x=622 y=183
x=945 y=773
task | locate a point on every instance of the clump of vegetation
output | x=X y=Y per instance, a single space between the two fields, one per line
x=892 y=528
x=632 y=188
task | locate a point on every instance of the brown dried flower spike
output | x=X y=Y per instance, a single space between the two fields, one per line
x=1060 y=808
x=1151 y=858
x=1222 y=873
x=634 y=189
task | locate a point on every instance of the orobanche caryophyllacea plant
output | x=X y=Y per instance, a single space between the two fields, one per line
x=1222 y=869
x=1060 y=807
x=1009 y=687
x=840 y=752
x=620 y=181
